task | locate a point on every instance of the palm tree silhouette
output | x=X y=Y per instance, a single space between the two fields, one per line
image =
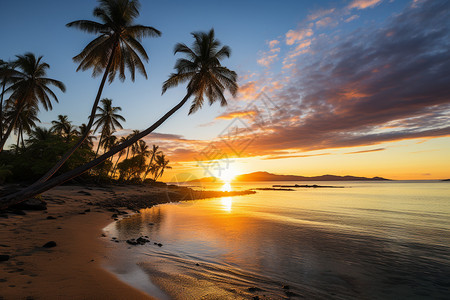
x=107 y=119
x=26 y=121
x=62 y=125
x=89 y=138
x=153 y=153
x=29 y=87
x=206 y=77
x=6 y=69
x=116 y=48
x=162 y=164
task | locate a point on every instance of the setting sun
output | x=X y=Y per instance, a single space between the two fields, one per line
x=228 y=174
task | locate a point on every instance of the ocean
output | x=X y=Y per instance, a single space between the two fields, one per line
x=364 y=240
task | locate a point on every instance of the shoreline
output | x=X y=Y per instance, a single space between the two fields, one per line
x=75 y=267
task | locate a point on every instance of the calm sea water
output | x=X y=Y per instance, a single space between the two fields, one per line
x=368 y=240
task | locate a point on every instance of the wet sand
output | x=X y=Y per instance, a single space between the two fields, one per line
x=73 y=268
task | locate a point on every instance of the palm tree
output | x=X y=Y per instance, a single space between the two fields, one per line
x=89 y=138
x=153 y=153
x=121 y=152
x=116 y=48
x=39 y=134
x=5 y=72
x=30 y=87
x=107 y=119
x=204 y=73
x=162 y=164
x=62 y=125
x=140 y=149
x=25 y=122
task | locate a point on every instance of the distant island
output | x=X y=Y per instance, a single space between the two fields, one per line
x=445 y=179
x=266 y=176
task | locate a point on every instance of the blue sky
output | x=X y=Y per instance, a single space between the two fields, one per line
x=322 y=62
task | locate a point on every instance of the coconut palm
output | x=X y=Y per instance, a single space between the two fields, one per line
x=107 y=119
x=153 y=153
x=121 y=153
x=25 y=122
x=206 y=77
x=39 y=134
x=62 y=125
x=6 y=70
x=29 y=87
x=162 y=164
x=89 y=138
x=116 y=48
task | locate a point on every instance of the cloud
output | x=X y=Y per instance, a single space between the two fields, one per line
x=324 y=22
x=319 y=14
x=363 y=4
x=248 y=90
x=237 y=114
x=367 y=87
x=354 y=17
x=366 y=151
x=273 y=43
x=266 y=61
x=293 y=36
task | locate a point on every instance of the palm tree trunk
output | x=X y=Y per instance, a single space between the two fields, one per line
x=115 y=166
x=37 y=189
x=18 y=141
x=69 y=153
x=149 y=166
x=99 y=142
x=23 y=143
x=1 y=109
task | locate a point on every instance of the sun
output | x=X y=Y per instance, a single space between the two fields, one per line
x=228 y=174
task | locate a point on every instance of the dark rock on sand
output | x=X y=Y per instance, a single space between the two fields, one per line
x=254 y=289
x=50 y=244
x=114 y=216
x=87 y=210
x=31 y=204
x=51 y=218
x=142 y=240
x=4 y=257
x=286 y=287
x=132 y=242
x=17 y=212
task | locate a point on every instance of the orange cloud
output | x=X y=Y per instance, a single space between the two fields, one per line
x=267 y=60
x=363 y=4
x=237 y=114
x=273 y=43
x=319 y=14
x=248 y=90
x=293 y=36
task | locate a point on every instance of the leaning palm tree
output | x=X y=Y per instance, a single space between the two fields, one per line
x=29 y=87
x=107 y=119
x=116 y=48
x=206 y=77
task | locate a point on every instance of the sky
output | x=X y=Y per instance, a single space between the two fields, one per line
x=345 y=87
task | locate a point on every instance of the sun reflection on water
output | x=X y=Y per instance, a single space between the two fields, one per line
x=227 y=203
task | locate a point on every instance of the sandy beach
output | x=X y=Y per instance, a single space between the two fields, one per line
x=74 y=219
